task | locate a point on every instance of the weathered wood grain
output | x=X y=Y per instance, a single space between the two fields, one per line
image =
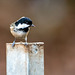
x=25 y=60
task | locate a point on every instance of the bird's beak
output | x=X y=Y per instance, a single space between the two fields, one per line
x=32 y=25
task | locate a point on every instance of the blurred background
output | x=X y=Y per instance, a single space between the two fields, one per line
x=55 y=26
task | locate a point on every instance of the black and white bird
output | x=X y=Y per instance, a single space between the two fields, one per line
x=21 y=28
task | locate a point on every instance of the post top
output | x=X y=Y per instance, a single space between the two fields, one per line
x=29 y=43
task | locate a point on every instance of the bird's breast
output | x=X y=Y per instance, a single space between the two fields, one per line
x=19 y=34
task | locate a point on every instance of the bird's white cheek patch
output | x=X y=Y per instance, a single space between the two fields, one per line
x=22 y=26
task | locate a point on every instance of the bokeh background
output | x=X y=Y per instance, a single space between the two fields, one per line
x=55 y=26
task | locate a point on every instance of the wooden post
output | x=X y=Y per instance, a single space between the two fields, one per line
x=25 y=60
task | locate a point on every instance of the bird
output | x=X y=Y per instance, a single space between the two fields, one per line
x=20 y=29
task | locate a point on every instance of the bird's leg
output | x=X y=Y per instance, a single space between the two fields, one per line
x=13 y=43
x=26 y=41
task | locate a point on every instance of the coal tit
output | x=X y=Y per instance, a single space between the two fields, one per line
x=21 y=28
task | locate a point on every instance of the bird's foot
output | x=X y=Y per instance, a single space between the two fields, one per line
x=26 y=43
x=13 y=44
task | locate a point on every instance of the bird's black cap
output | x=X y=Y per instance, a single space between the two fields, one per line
x=25 y=20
